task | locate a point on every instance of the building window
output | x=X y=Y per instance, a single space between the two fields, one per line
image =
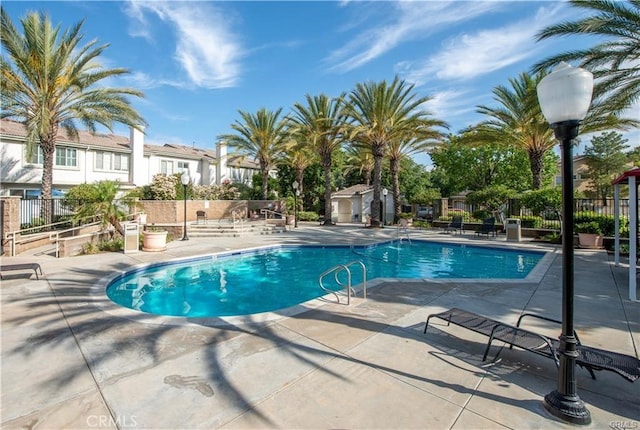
x=166 y=167
x=182 y=166
x=37 y=157
x=66 y=157
x=111 y=161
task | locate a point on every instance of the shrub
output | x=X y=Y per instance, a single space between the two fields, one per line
x=406 y=215
x=90 y=248
x=114 y=245
x=307 y=216
x=482 y=214
x=531 y=221
x=592 y=227
x=421 y=224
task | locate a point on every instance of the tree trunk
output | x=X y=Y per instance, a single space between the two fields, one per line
x=378 y=154
x=394 y=167
x=48 y=146
x=536 y=159
x=367 y=176
x=299 y=176
x=326 y=165
x=265 y=183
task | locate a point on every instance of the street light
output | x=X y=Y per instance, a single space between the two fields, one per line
x=185 y=181
x=296 y=193
x=384 y=212
x=565 y=96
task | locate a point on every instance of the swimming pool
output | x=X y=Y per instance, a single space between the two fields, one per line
x=274 y=278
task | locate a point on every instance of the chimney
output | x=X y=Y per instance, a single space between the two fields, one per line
x=137 y=175
x=222 y=172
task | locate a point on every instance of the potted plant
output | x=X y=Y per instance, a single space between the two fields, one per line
x=408 y=217
x=154 y=239
x=589 y=234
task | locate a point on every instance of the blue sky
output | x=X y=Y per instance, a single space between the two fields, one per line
x=199 y=62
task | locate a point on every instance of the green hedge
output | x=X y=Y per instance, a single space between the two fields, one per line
x=307 y=216
x=530 y=221
x=606 y=222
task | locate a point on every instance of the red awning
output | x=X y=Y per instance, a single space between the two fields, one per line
x=624 y=178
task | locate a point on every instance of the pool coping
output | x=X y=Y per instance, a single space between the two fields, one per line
x=100 y=300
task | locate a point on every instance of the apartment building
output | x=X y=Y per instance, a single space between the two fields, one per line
x=127 y=159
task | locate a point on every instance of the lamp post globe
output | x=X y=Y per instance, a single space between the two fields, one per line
x=565 y=96
x=185 y=179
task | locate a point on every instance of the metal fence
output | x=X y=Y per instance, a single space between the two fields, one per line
x=551 y=219
x=33 y=213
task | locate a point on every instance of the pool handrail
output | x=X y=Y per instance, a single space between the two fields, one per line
x=336 y=270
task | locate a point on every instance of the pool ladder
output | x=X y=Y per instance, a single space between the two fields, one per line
x=336 y=270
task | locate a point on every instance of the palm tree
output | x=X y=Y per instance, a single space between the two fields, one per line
x=261 y=136
x=381 y=113
x=50 y=82
x=99 y=199
x=359 y=158
x=403 y=147
x=613 y=62
x=517 y=121
x=320 y=125
x=299 y=156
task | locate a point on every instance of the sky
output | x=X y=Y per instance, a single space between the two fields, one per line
x=200 y=62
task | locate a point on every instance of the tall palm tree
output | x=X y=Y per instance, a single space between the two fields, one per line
x=359 y=158
x=518 y=122
x=261 y=136
x=381 y=113
x=49 y=82
x=419 y=141
x=319 y=124
x=614 y=62
x=299 y=156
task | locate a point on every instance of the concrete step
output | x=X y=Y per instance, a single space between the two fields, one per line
x=228 y=230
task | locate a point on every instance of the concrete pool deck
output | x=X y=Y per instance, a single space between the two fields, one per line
x=67 y=363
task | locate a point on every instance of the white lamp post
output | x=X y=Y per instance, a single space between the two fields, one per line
x=384 y=212
x=185 y=179
x=296 y=192
x=565 y=96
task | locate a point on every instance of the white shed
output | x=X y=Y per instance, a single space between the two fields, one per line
x=353 y=204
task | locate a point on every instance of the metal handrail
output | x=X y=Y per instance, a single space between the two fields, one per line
x=336 y=270
x=12 y=235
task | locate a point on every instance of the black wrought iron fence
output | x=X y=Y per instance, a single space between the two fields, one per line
x=550 y=219
x=34 y=213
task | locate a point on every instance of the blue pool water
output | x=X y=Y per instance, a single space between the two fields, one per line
x=243 y=283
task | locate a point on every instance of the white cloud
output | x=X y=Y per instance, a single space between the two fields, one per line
x=408 y=20
x=474 y=54
x=206 y=48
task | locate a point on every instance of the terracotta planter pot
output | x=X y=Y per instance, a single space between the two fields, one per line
x=154 y=241
x=589 y=240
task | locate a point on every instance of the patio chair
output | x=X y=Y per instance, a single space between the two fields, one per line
x=488 y=227
x=201 y=215
x=591 y=359
x=455 y=225
x=24 y=266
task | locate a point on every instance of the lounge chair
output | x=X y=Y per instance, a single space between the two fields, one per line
x=455 y=225
x=592 y=359
x=488 y=227
x=24 y=266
